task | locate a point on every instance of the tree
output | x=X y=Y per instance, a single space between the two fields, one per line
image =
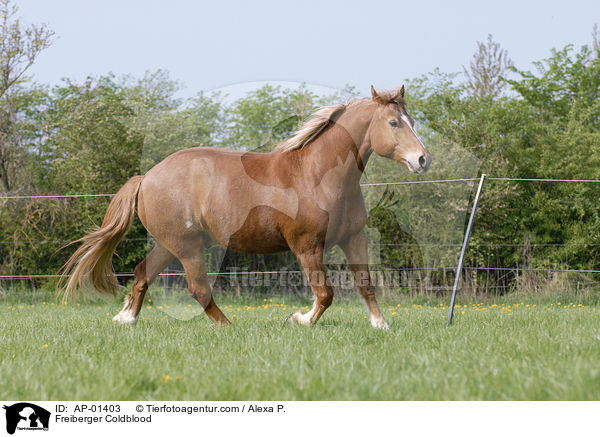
x=19 y=47
x=562 y=140
x=168 y=124
x=487 y=70
x=266 y=116
x=88 y=146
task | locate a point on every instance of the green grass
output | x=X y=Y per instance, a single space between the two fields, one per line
x=535 y=350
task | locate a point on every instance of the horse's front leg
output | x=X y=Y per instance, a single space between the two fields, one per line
x=316 y=272
x=355 y=249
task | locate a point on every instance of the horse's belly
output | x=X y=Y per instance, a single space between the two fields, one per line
x=258 y=233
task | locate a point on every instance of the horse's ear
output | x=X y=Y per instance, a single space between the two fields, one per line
x=402 y=91
x=376 y=97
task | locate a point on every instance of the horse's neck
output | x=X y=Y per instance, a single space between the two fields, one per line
x=341 y=152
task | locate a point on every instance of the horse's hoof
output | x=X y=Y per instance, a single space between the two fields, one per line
x=125 y=319
x=299 y=318
x=380 y=324
x=293 y=318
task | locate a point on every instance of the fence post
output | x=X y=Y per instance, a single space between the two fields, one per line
x=464 y=247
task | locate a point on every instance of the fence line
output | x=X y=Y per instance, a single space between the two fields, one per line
x=285 y=272
x=61 y=241
x=57 y=196
x=519 y=269
x=371 y=244
x=235 y=273
x=486 y=244
x=506 y=269
x=50 y=196
x=544 y=180
x=375 y=184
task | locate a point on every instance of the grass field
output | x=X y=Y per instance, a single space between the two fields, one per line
x=511 y=349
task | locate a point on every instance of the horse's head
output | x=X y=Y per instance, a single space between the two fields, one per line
x=391 y=132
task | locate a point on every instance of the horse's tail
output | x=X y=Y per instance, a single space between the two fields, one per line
x=93 y=259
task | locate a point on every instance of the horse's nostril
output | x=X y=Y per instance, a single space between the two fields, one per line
x=422 y=161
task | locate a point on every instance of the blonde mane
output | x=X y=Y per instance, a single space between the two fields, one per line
x=321 y=118
x=311 y=128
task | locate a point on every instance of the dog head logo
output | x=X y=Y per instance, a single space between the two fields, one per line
x=26 y=416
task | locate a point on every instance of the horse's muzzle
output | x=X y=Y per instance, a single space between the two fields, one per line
x=425 y=162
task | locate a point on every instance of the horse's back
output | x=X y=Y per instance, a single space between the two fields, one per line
x=215 y=191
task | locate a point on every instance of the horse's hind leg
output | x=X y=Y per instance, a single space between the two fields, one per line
x=145 y=272
x=195 y=270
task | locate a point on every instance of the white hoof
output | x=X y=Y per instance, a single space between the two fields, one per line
x=125 y=318
x=380 y=324
x=301 y=319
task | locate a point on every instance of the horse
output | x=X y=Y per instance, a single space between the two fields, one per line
x=304 y=196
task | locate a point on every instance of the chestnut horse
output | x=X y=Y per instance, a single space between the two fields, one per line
x=304 y=196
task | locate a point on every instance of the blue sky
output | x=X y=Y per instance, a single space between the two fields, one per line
x=211 y=45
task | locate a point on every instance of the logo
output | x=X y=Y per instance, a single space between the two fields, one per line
x=26 y=416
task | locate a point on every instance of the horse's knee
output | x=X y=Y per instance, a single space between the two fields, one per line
x=140 y=285
x=367 y=293
x=201 y=294
x=140 y=281
x=325 y=299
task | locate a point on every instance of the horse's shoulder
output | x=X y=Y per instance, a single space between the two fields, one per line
x=269 y=168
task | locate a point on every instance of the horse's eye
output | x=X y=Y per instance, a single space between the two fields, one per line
x=394 y=123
